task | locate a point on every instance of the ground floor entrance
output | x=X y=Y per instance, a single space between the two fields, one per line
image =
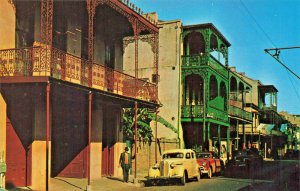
x=74 y=117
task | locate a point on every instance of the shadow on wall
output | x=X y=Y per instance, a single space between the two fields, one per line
x=11 y=187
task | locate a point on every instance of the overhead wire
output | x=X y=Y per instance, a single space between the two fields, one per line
x=253 y=18
x=288 y=70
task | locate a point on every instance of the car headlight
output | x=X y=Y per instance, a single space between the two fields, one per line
x=156 y=166
x=172 y=165
x=204 y=164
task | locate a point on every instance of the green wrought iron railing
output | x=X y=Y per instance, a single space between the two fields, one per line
x=238 y=112
x=204 y=60
x=217 y=114
x=194 y=60
x=192 y=111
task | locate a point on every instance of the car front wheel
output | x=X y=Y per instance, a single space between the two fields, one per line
x=183 y=179
x=198 y=175
x=209 y=173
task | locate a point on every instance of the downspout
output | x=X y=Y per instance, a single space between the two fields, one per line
x=90 y=99
x=47 y=133
x=178 y=54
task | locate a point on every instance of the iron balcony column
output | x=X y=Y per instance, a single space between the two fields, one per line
x=135 y=137
x=47 y=132
x=89 y=137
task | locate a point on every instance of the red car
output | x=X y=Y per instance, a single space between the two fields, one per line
x=209 y=164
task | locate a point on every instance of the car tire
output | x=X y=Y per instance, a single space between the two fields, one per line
x=198 y=177
x=183 y=179
x=209 y=175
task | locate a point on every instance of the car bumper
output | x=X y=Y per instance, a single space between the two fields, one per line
x=163 y=177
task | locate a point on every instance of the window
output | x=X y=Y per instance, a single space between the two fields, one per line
x=188 y=155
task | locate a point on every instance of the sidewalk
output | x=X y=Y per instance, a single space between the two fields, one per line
x=103 y=184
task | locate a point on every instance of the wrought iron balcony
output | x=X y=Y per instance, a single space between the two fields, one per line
x=216 y=113
x=192 y=111
x=193 y=61
x=43 y=61
x=240 y=113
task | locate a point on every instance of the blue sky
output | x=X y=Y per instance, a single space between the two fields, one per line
x=250 y=26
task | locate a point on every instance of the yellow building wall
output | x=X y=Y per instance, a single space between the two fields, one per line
x=38 y=165
x=2 y=130
x=8 y=25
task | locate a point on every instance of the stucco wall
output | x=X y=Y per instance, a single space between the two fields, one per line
x=8 y=25
x=145 y=58
x=169 y=93
x=168 y=69
x=146 y=154
x=2 y=128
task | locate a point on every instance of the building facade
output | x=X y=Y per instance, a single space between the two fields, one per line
x=65 y=80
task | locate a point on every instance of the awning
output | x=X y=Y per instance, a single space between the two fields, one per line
x=265 y=128
x=283 y=127
x=276 y=132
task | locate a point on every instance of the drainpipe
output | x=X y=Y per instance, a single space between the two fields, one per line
x=178 y=54
x=135 y=135
x=89 y=138
x=156 y=112
x=47 y=133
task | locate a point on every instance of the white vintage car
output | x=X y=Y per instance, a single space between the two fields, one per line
x=178 y=164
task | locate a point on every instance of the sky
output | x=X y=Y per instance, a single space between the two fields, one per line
x=250 y=26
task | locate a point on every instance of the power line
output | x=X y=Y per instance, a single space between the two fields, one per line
x=253 y=18
x=276 y=57
x=277 y=50
x=294 y=87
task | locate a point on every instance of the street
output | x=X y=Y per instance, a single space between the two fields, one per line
x=274 y=176
x=216 y=183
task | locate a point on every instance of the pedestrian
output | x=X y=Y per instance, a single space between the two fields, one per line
x=125 y=162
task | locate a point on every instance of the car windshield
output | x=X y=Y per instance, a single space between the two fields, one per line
x=239 y=153
x=203 y=155
x=172 y=155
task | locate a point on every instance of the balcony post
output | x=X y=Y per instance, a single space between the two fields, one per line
x=156 y=112
x=187 y=96
x=90 y=99
x=219 y=140
x=228 y=141
x=237 y=135
x=47 y=133
x=204 y=132
x=91 y=14
x=135 y=137
x=244 y=136
x=208 y=135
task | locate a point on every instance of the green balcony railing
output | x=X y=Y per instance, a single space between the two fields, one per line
x=192 y=111
x=194 y=61
x=217 y=114
x=215 y=64
x=238 y=112
x=204 y=60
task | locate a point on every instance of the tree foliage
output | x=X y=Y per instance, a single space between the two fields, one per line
x=144 y=131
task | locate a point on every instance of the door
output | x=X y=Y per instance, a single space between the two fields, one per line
x=16 y=159
x=108 y=141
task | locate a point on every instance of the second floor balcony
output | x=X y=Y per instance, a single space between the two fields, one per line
x=240 y=113
x=43 y=61
x=196 y=113
x=194 y=61
x=192 y=111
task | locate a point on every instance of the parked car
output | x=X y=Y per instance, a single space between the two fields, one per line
x=245 y=160
x=292 y=155
x=209 y=164
x=178 y=164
